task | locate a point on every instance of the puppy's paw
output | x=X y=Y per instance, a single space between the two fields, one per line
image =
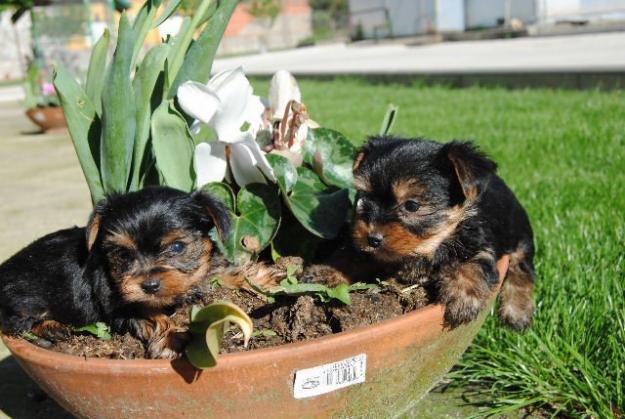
x=52 y=331
x=168 y=346
x=461 y=310
x=517 y=315
x=517 y=306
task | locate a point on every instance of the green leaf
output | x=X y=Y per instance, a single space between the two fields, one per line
x=341 y=293
x=84 y=127
x=264 y=333
x=187 y=36
x=147 y=74
x=319 y=209
x=100 y=330
x=361 y=286
x=96 y=73
x=254 y=223
x=285 y=172
x=323 y=292
x=331 y=155
x=173 y=147
x=221 y=191
x=291 y=270
x=172 y=6
x=143 y=24
x=207 y=329
x=389 y=119
x=118 y=114
x=198 y=60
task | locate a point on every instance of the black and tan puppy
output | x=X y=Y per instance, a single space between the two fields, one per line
x=139 y=256
x=439 y=214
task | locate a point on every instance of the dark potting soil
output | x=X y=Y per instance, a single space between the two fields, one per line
x=287 y=319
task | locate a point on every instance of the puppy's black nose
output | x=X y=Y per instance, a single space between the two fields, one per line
x=151 y=286
x=375 y=240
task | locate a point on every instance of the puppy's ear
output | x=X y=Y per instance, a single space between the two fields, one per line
x=216 y=210
x=93 y=228
x=360 y=156
x=362 y=153
x=95 y=222
x=472 y=167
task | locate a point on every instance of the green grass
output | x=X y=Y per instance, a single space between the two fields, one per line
x=563 y=152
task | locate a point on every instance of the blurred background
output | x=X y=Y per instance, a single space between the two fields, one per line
x=63 y=30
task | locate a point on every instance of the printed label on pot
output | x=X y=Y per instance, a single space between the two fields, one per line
x=329 y=377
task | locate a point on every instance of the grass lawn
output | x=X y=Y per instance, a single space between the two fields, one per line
x=563 y=153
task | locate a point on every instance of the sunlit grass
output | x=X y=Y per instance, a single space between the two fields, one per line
x=563 y=152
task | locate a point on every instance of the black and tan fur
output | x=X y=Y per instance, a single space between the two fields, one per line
x=438 y=214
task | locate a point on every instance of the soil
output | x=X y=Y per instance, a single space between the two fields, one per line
x=287 y=319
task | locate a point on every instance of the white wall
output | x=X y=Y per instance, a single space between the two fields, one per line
x=485 y=13
x=554 y=10
x=450 y=15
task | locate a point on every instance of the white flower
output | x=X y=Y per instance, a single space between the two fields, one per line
x=228 y=105
x=290 y=116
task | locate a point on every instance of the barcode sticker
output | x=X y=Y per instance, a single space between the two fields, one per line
x=329 y=377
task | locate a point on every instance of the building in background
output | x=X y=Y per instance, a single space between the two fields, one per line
x=246 y=33
x=397 y=18
x=68 y=29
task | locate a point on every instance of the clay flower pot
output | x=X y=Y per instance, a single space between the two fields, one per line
x=48 y=118
x=405 y=357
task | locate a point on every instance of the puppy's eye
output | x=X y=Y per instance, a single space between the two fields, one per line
x=411 y=206
x=177 y=247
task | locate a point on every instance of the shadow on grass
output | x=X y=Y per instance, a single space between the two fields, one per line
x=21 y=398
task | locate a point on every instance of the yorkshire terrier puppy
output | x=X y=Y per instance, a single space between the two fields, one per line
x=139 y=256
x=438 y=214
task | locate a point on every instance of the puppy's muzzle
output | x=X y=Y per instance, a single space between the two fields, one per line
x=151 y=286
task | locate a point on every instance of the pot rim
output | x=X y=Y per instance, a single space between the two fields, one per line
x=418 y=319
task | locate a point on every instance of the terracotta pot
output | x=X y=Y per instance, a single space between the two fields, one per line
x=405 y=357
x=48 y=118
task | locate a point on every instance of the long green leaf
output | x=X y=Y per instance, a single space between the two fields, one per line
x=173 y=147
x=118 y=114
x=172 y=6
x=143 y=24
x=143 y=85
x=96 y=73
x=389 y=119
x=198 y=61
x=185 y=40
x=84 y=127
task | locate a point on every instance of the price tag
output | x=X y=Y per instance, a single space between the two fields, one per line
x=330 y=377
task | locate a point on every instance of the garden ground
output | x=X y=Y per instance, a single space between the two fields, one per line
x=563 y=152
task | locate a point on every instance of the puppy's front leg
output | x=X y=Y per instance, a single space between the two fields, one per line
x=465 y=288
x=159 y=333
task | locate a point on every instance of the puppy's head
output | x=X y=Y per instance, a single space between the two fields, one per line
x=155 y=243
x=412 y=194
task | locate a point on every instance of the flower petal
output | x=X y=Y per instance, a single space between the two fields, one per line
x=283 y=89
x=198 y=101
x=216 y=80
x=234 y=92
x=210 y=163
x=261 y=160
x=243 y=165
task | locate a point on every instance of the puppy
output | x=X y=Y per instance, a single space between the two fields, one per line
x=139 y=255
x=439 y=214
